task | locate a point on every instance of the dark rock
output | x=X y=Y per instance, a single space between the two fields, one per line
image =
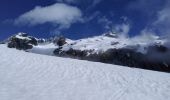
x=76 y=53
x=114 y=43
x=59 y=52
x=60 y=41
x=161 y=48
x=113 y=35
x=22 y=41
x=157 y=48
x=33 y=41
x=123 y=56
x=41 y=40
x=71 y=53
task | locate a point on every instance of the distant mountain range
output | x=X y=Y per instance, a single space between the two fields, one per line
x=146 y=52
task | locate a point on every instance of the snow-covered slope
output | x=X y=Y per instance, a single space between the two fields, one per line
x=108 y=41
x=46 y=49
x=28 y=76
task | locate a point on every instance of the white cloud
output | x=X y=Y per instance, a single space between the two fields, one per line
x=91 y=3
x=105 y=22
x=146 y=36
x=95 y=2
x=162 y=24
x=57 y=14
x=123 y=29
x=149 y=7
x=92 y=16
x=68 y=1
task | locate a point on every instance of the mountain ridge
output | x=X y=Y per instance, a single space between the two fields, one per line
x=146 y=52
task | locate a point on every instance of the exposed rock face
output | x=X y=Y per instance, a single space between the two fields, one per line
x=60 y=41
x=41 y=41
x=158 y=48
x=70 y=53
x=123 y=56
x=22 y=41
x=113 y=35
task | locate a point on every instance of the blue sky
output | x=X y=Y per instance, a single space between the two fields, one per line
x=84 y=18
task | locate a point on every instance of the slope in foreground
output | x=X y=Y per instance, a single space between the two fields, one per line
x=27 y=76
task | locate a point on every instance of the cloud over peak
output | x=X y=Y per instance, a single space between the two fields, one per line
x=163 y=21
x=59 y=14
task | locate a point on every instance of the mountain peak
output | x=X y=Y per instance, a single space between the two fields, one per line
x=111 y=34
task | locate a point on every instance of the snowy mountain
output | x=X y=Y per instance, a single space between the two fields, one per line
x=146 y=51
x=28 y=76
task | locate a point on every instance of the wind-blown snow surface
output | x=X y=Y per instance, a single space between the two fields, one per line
x=27 y=76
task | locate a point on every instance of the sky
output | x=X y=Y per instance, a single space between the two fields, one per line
x=77 y=19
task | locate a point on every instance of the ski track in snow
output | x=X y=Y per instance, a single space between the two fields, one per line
x=27 y=76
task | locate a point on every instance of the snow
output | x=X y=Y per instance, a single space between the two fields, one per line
x=19 y=35
x=46 y=49
x=98 y=43
x=23 y=38
x=29 y=76
x=103 y=43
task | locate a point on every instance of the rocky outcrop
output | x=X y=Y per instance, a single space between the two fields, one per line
x=60 y=41
x=123 y=56
x=71 y=53
x=107 y=49
x=41 y=41
x=22 y=41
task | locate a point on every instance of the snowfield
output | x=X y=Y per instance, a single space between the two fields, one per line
x=28 y=76
x=46 y=49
